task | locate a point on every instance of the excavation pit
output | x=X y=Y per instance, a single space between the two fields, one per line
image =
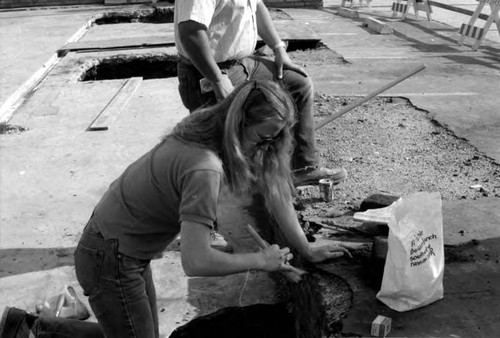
x=259 y=320
x=6 y=128
x=161 y=66
x=124 y=67
x=298 y=44
x=152 y=16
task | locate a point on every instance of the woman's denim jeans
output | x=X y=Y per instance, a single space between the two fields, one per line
x=120 y=290
x=251 y=68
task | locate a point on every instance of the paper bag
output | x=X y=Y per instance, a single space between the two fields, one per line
x=414 y=267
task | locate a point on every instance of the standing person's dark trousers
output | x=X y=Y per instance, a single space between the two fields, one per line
x=251 y=68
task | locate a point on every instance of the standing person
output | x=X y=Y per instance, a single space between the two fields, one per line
x=242 y=142
x=216 y=40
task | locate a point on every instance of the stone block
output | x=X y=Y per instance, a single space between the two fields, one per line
x=348 y=13
x=377 y=26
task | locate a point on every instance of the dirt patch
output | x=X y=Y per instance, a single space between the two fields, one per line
x=391 y=146
x=388 y=145
x=6 y=128
x=318 y=56
x=153 y=15
x=126 y=66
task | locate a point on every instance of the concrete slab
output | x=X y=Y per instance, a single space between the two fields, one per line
x=478 y=223
x=128 y=30
x=123 y=43
x=73 y=164
x=147 y=35
x=469 y=308
x=52 y=27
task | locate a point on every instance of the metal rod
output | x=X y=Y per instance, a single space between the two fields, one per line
x=369 y=96
x=458 y=9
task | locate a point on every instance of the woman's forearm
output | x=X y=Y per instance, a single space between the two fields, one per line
x=200 y=259
x=286 y=217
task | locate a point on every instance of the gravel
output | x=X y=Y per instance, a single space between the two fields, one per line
x=387 y=145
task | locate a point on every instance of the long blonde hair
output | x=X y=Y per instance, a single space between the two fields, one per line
x=221 y=128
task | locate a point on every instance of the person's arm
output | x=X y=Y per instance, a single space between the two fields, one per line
x=268 y=33
x=194 y=39
x=200 y=259
x=287 y=219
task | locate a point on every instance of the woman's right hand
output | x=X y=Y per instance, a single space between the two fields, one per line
x=276 y=259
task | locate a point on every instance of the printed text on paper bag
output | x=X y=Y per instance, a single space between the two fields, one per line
x=421 y=249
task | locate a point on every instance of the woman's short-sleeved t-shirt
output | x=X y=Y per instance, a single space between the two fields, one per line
x=173 y=182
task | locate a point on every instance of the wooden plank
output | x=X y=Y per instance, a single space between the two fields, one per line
x=166 y=39
x=116 y=105
x=39 y=3
x=491 y=2
x=457 y=9
x=288 y=30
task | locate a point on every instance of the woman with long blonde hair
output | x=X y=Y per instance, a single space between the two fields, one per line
x=242 y=142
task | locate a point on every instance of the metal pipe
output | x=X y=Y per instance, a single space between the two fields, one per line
x=369 y=96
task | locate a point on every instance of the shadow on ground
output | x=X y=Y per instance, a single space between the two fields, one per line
x=19 y=261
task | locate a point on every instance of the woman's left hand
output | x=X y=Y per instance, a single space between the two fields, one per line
x=325 y=252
